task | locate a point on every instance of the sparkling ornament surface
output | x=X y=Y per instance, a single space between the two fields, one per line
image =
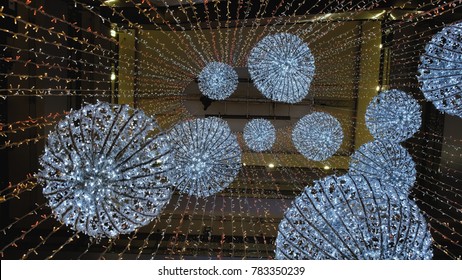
x=440 y=70
x=393 y=115
x=103 y=170
x=317 y=136
x=206 y=156
x=259 y=135
x=217 y=80
x=282 y=67
x=387 y=161
x=353 y=217
x=48 y=58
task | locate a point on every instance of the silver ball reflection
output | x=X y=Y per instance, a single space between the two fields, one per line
x=282 y=67
x=440 y=70
x=102 y=170
x=217 y=80
x=317 y=136
x=393 y=115
x=353 y=217
x=206 y=156
x=259 y=135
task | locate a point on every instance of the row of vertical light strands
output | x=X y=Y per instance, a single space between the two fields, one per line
x=51 y=55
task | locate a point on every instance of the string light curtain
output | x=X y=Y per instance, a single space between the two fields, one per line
x=57 y=55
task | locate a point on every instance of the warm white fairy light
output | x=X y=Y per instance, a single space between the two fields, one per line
x=353 y=217
x=206 y=156
x=103 y=175
x=387 y=161
x=259 y=135
x=317 y=136
x=166 y=72
x=282 y=67
x=440 y=70
x=393 y=115
x=217 y=80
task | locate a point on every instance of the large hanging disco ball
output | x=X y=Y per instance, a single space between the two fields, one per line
x=387 y=161
x=282 y=67
x=353 y=217
x=440 y=70
x=103 y=170
x=317 y=136
x=217 y=80
x=206 y=156
x=259 y=135
x=393 y=115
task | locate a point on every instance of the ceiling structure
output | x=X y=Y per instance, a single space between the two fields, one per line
x=59 y=56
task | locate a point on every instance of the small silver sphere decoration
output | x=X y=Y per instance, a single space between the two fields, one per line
x=317 y=136
x=259 y=135
x=103 y=170
x=206 y=156
x=393 y=115
x=217 y=80
x=282 y=67
x=353 y=217
x=387 y=161
x=440 y=70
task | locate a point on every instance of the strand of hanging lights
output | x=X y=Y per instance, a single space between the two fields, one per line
x=165 y=72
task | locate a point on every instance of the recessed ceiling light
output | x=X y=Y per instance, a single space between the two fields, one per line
x=326 y=167
x=109 y=3
x=271 y=165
